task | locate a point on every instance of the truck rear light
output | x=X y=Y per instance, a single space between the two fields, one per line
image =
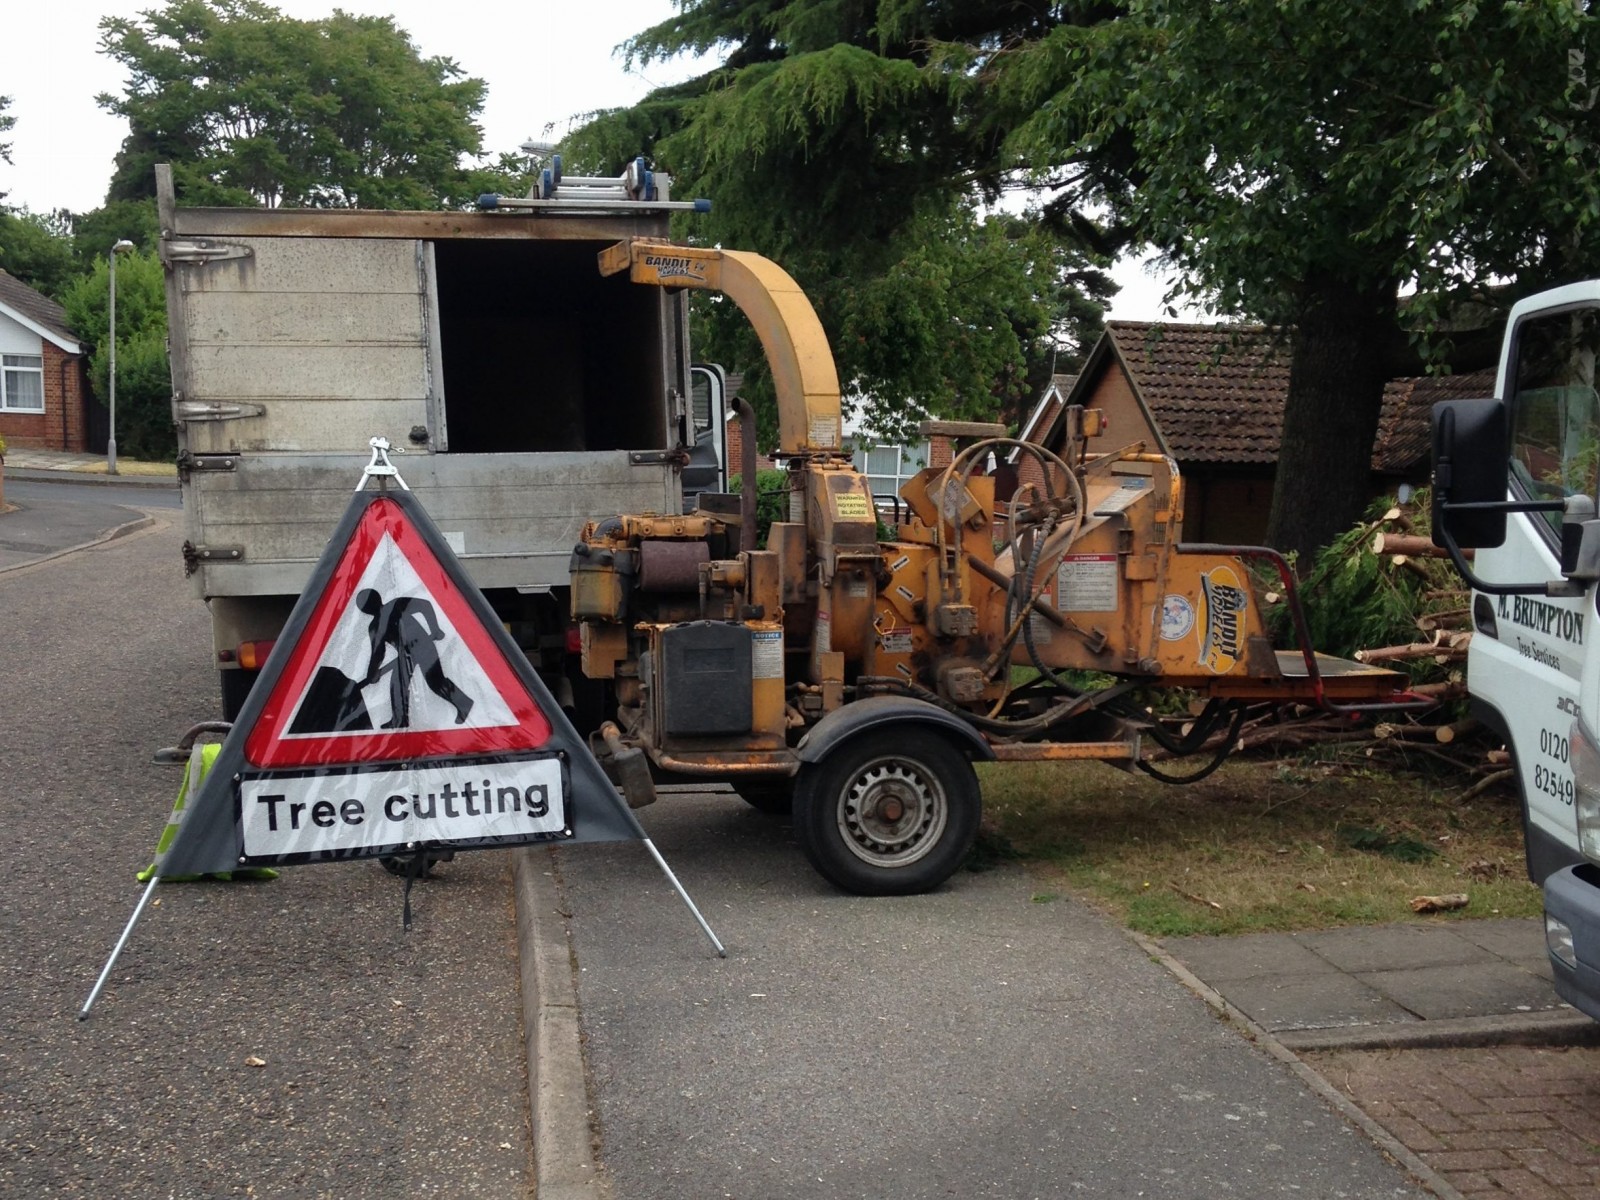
x=253 y=655
x=574 y=639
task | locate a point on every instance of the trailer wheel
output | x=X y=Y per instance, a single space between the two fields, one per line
x=775 y=797
x=892 y=812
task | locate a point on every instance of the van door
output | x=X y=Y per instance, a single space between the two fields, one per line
x=1527 y=657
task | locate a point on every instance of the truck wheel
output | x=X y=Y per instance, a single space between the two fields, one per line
x=889 y=813
x=775 y=797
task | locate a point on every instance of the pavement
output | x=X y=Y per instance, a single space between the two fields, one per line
x=23 y=463
x=1440 y=1038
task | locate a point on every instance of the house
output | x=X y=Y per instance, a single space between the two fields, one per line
x=1212 y=397
x=44 y=385
x=887 y=465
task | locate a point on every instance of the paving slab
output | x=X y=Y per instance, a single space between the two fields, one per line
x=1449 y=991
x=1220 y=960
x=1385 y=947
x=1326 y=1001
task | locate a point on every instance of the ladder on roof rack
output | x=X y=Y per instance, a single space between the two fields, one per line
x=636 y=187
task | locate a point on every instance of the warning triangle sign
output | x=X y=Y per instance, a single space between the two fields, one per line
x=395 y=713
x=393 y=664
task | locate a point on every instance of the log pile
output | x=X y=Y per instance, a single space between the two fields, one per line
x=1384 y=594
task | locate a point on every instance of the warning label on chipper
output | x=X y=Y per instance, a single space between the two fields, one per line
x=1087 y=583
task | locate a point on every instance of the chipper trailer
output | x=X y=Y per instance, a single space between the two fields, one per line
x=857 y=677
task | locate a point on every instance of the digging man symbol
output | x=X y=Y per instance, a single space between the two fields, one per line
x=408 y=625
x=400 y=638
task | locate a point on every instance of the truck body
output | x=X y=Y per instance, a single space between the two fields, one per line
x=1515 y=482
x=526 y=390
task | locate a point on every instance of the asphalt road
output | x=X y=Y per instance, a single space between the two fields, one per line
x=32 y=492
x=984 y=1041
x=393 y=1061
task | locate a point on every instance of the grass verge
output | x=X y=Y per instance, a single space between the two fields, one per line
x=1281 y=845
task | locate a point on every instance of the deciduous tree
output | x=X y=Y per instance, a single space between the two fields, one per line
x=252 y=107
x=1304 y=164
x=144 y=382
x=827 y=141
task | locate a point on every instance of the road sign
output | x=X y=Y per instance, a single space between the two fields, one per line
x=395 y=714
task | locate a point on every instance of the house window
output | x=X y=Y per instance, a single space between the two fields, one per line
x=887 y=467
x=22 y=383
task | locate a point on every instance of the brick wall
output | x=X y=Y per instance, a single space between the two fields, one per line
x=736 y=450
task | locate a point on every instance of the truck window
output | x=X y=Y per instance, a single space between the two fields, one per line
x=1555 y=411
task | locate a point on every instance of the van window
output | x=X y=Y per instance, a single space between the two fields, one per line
x=1555 y=411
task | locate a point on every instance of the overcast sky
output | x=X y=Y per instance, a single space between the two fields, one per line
x=546 y=64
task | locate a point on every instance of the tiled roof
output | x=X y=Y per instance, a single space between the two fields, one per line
x=1217 y=392
x=36 y=307
x=1404 y=430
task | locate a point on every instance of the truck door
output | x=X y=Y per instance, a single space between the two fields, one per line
x=707 y=469
x=1527 y=660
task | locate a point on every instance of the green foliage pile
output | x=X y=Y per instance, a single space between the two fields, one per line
x=1357 y=600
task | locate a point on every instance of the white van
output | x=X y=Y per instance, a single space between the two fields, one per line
x=1515 y=479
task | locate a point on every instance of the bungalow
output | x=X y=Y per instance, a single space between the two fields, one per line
x=44 y=387
x=1212 y=397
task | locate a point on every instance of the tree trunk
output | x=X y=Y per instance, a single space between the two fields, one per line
x=1337 y=372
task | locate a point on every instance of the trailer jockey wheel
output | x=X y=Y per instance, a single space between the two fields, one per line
x=890 y=812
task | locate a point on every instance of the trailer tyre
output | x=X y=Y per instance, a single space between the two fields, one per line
x=891 y=812
x=775 y=797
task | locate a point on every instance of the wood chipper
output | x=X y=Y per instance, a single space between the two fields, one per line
x=856 y=670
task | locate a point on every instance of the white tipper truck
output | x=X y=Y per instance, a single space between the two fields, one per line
x=1515 y=479
x=527 y=391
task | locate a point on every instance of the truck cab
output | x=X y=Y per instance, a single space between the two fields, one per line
x=1515 y=482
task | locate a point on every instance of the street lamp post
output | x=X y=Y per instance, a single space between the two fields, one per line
x=122 y=247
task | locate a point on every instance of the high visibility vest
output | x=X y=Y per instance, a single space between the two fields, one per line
x=201 y=758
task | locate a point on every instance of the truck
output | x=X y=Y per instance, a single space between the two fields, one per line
x=533 y=358
x=1515 y=484
x=527 y=389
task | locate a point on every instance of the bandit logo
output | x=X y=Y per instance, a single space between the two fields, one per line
x=674 y=266
x=1222 y=600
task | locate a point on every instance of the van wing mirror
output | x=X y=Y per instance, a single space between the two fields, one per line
x=1469 y=468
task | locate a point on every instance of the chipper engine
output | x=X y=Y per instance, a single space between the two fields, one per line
x=856 y=671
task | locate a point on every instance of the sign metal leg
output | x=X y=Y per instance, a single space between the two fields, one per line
x=121 y=942
x=683 y=895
